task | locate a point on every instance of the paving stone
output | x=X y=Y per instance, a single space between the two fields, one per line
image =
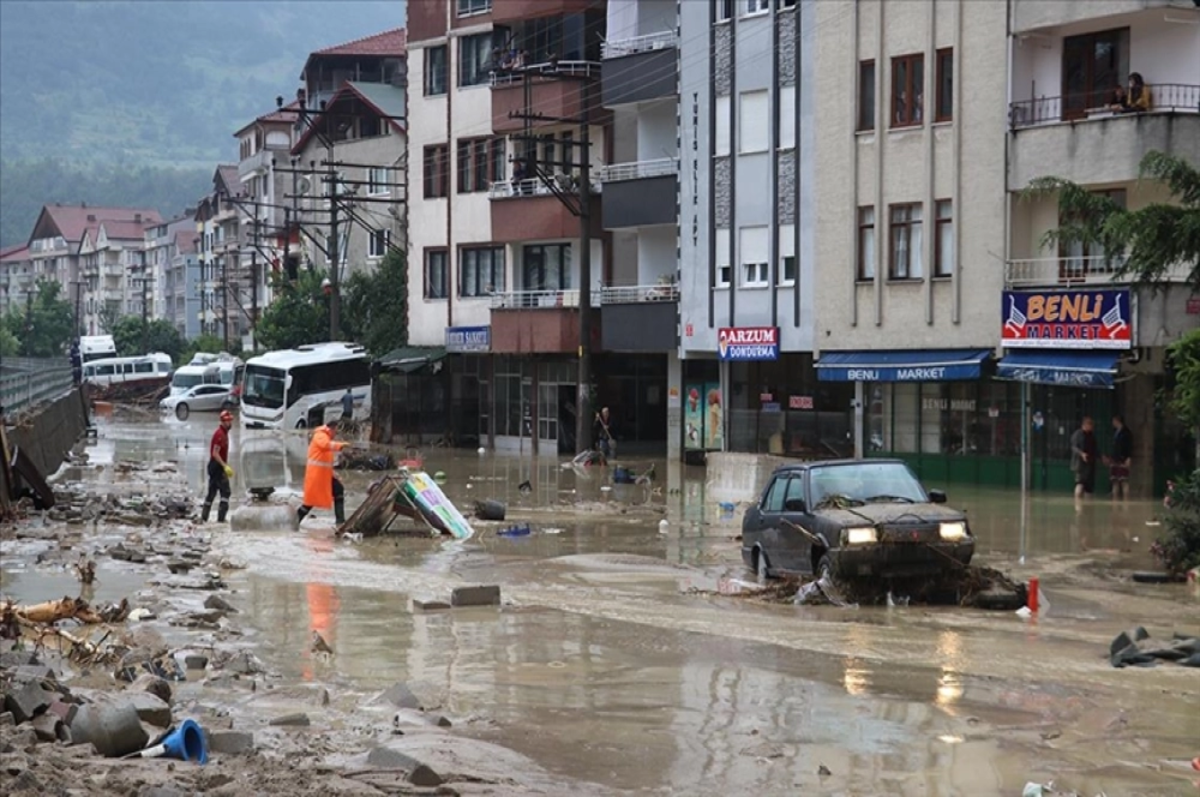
x=488 y=595
x=27 y=701
x=46 y=726
x=419 y=774
x=195 y=661
x=231 y=742
x=152 y=684
x=150 y=708
x=298 y=719
x=218 y=603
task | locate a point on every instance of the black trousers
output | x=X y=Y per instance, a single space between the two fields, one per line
x=339 y=497
x=218 y=482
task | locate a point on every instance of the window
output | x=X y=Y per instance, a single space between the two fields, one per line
x=1078 y=258
x=435 y=273
x=378 y=243
x=943 y=255
x=787 y=117
x=435 y=71
x=723 y=9
x=497 y=161
x=866 y=95
x=481 y=271
x=480 y=163
x=1093 y=65
x=787 y=3
x=908 y=86
x=724 y=272
x=753 y=126
x=547 y=267
x=905 y=227
x=755 y=255
x=773 y=501
x=723 y=135
x=378 y=181
x=437 y=171
x=787 y=255
x=756 y=6
x=944 y=111
x=342 y=239
x=866 y=243
x=467 y=8
x=474 y=59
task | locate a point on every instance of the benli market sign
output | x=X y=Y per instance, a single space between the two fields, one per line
x=748 y=343
x=1067 y=320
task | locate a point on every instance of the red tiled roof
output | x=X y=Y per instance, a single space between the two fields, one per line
x=14 y=254
x=70 y=221
x=229 y=176
x=185 y=241
x=126 y=230
x=392 y=42
x=285 y=115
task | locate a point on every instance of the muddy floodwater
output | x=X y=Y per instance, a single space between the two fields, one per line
x=614 y=661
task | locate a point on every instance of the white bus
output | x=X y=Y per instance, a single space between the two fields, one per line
x=121 y=370
x=192 y=374
x=301 y=387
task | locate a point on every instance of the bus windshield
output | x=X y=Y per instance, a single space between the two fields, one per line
x=263 y=387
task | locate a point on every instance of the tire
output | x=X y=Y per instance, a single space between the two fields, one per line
x=760 y=568
x=825 y=569
x=182 y=411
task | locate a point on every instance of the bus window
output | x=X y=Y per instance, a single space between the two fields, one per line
x=164 y=368
x=143 y=368
x=104 y=370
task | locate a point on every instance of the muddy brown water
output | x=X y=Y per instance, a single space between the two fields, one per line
x=607 y=664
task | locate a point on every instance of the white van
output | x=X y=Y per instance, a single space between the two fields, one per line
x=123 y=370
x=97 y=347
x=190 y=375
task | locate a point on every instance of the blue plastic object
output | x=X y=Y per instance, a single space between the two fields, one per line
x=185 y=743
x=515 y=531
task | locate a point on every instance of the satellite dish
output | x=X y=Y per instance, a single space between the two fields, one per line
x=303 y=185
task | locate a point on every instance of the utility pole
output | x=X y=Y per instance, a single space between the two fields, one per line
x=145 y=315
x=254 y=285
x=335 y=253
x=224 y=304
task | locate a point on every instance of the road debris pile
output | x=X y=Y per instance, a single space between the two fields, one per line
x=351 y=459
x=76 y=505
x=412 y=495
x=1135 y=648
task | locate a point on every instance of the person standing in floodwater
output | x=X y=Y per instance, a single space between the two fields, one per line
x=348 y=405
x=602 y=432
x=322 y=489
x=219 y=472
x=1121 y=459
x=1083 y=458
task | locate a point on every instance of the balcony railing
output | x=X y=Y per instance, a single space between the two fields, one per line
x=1164 y=98
x=639 y=44
x=535 y=300
x=662 y=167
x=1067 y=271
x=508 y=77
x=535 y=187
x=635 y=294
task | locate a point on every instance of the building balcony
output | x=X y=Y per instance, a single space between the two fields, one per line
x=1075 y=272
x=639 y=69
x=258 y=163
x=528 y=210
x=640 y=194
x=1028 y=15
x=639 y=318
x=1101 y=147
x=539 y=322
x=509 y=11
x=555 y=91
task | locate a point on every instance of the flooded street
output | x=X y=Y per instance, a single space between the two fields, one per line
x=614 y=661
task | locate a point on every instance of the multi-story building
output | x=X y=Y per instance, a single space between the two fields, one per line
x=16 y=277
x=217 y=225
x=54 y=244
x=748 y=289
x=165 y=294
x=1085 y=339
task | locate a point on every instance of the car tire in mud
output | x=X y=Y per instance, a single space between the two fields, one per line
x=824 y=569
x=760 y=568
x=182 y=411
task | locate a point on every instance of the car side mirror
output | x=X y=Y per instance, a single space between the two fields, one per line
x=794 y=505
x=937 y=497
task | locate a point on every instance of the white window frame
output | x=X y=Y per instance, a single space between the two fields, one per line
x=472 y=8
x=379 y=179
x=754 y=128
x=723 y=142
x=723 y=275
x=724 y=10
x=752 y=8
x=787 y=248
x=754 y=252
x=377 y=243
x=787 y=117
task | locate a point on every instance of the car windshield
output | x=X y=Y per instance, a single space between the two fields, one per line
x=861 y=483
x=185 y=380
x=263 y=387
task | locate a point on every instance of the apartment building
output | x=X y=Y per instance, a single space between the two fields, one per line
x=163 y=268
x=217 y=226
x=1103 y=351
x=16 y=277
x=748 y=110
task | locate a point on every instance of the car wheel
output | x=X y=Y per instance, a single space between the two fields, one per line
x=182 y=411
x=760 y=568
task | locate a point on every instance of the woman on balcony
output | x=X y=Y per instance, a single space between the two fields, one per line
x=1139 y=93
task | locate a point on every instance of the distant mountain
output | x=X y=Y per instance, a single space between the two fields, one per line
x=147 y=84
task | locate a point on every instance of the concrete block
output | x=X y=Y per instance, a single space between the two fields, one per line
x=231 y=742
x=194 y=661
x=429 y=605
x=150 y=708
x=419 y=774
x=218 y=603
x=293 y=720
x=400 y=696
x=27 y=701
x=153 y=685
x=475 y=596
x=115 y=729
x=17 y=658
x=46 y=726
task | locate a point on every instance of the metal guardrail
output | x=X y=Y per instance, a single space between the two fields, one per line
x=513 y=75
x=539 y=300
x=635 y=294
x=637 y=170
x=510 y=189
x=25 y=381
x=639 y=44
x=1091 y=270
x=1164 y=98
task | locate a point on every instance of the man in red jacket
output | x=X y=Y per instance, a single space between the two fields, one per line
x=219 y=472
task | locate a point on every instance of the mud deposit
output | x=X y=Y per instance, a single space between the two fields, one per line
x=613 y=665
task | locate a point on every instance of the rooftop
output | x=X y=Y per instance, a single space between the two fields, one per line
x=70 y=221
x=388 y=44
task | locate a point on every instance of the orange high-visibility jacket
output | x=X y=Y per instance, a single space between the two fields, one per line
x=318 y=474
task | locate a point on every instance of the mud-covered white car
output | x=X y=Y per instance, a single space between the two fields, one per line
x=198 y=398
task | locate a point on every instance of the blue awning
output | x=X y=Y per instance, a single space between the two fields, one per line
x=918 y=365
x=1069 y=368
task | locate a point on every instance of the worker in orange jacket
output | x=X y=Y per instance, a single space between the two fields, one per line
x=321 y=487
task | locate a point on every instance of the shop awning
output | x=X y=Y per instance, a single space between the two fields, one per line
x=1060 y=367
x=410 y=359
x=917 y=365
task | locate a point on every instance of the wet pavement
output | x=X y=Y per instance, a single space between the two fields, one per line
x=613 y=662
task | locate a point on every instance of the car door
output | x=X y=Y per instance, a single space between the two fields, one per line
x=779 y=539
x=796 y=524
x=758 y=519
x=208 y=397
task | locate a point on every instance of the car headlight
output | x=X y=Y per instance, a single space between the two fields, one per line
x=861 y=536
x=952 y=532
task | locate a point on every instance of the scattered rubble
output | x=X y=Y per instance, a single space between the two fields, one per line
x=1135 y=648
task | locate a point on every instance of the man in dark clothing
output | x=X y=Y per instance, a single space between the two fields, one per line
x=1121 y=459
x=348 y=405
x=76 y=364
x=1083 y=458
x=219 y=472
x=602 y=433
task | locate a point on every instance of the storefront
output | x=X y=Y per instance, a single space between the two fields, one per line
x=408 y=396
x=469 y=374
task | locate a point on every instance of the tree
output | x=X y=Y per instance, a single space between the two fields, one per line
x=1154 y=239
x=108 y=317
x=45 y=325
x=132 y=337
x=298 y=315
x=1185 y=396
x=375 y=306
x=10 y=346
